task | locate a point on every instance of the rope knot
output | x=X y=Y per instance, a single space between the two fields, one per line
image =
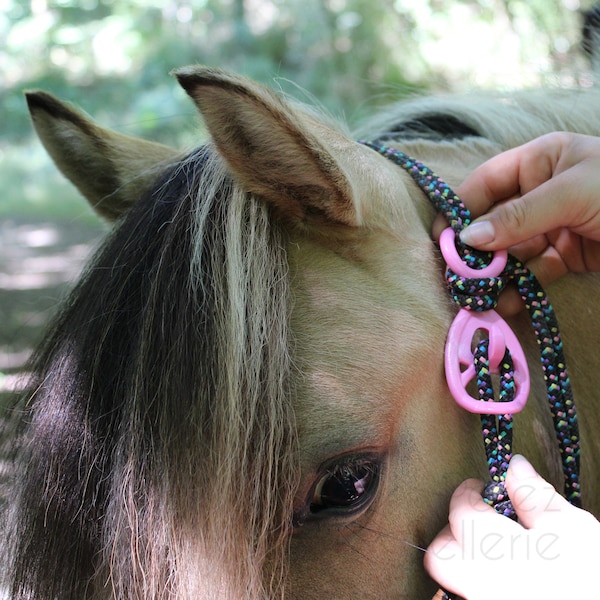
x=477 y=294
x=473 y=292
x=495 y=494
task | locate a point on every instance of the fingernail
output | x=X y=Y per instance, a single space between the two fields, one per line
x=480 y=232
x=521 y=468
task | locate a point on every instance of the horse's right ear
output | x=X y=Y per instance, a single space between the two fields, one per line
x=108 y=168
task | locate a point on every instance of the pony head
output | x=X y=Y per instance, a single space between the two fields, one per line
x=244 y=395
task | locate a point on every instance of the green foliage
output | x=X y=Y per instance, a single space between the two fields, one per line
x=112 y=57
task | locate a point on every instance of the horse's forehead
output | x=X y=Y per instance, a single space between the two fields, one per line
x=365 y=319
x=370 y=312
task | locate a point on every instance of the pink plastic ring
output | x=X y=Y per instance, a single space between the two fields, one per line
x=460 y=369
x=458 y=265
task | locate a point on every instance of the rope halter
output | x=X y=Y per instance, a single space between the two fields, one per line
x=475 y=279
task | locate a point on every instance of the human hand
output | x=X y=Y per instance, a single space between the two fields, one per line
x=552 y=552
x=542 y=202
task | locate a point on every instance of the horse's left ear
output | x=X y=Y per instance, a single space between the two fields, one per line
x=273 y=151
x=108 y=168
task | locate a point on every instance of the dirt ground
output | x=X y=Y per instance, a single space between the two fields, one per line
x=39 y=261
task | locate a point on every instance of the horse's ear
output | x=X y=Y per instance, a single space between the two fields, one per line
x=272 y=150
x=108 y=168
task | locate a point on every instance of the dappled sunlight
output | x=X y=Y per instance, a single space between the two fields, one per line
x=43 y=271
x=38 y=236
x=12 y=383
x=38 y=263
x=34 y=257
x=11 y=361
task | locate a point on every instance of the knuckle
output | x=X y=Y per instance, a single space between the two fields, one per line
x=515 y=215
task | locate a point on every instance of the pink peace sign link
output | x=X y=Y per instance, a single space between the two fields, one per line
x=467 y=325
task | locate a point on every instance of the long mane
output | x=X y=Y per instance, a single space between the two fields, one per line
x=160 y=422
x=531 y=113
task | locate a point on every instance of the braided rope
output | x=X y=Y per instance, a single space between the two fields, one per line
x=482 y=294
x=496 y=429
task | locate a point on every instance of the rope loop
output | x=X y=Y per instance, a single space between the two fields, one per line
x=475 y=278
x=496 y=429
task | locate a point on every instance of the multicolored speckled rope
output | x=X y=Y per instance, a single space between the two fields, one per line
x=482 y=294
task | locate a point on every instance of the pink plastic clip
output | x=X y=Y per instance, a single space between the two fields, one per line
x=459 y=361
x=458 y=265
x=459 y=354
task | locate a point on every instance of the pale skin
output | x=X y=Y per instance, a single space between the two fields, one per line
x=542 y=202
x=551 y=553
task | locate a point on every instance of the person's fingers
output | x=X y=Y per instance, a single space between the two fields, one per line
x=537 y=212
x=535 y=501
x=444 y=547
x=475 y=535
x=467 y=504
x=552 y=536
x=548 y=266
x=443 y=561
x=568 y=201
x=539 y=506
x=499 y=179
x=579 y=253
x=512 y=173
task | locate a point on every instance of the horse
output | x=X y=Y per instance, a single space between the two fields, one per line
x=244 y=394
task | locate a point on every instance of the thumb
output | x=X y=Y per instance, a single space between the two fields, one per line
x=536 y=502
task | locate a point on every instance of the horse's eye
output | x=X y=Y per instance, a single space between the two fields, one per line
x=346 y=487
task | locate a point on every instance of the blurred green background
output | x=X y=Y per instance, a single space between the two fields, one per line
x=113 y=57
